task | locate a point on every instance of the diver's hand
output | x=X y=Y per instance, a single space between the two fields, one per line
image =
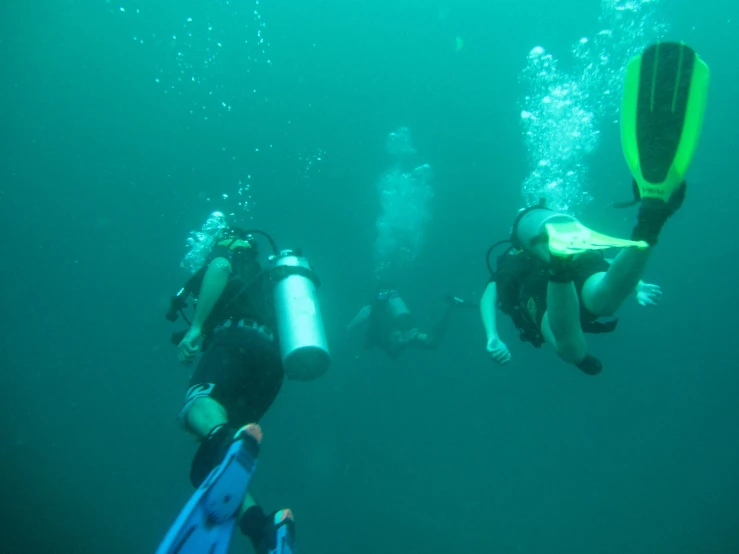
x=498 y=350
x=648 y=295
x=189 y=346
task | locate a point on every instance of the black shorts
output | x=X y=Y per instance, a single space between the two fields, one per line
x=534 y=293
x=244 y=367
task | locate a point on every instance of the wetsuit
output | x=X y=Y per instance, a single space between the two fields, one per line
x=395 y=333
x=241 y=366
x=521 y=282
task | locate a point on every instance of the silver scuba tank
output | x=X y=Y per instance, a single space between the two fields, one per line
x=397 y=306
x=303 y=344
x=529 y=231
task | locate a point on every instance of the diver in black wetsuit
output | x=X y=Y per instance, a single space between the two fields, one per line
x=535 y=286
x=391 y=326
x=239 y=373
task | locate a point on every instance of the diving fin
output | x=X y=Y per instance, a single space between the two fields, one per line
x=567 y=238
x=207 y=521
x=269 y=534
x=664 y=101
x=285 y=533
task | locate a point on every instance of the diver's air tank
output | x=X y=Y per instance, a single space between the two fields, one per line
x=529 y=231
x=396 y=305
x=303 y=342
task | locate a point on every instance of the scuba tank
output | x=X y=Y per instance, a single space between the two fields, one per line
x=395 y=304
x=397 y=307
x=302 y=338
x=529 y=231
x=300 y=329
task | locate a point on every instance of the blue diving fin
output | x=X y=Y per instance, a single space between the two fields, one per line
x=207 y=521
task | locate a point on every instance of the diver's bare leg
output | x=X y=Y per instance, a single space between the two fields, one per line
x=561 y=322
x=205 y=415
x=603 y=293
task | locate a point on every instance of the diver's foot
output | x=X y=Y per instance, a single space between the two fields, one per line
x=269 y=534
x=654 y=213
x=590 y=365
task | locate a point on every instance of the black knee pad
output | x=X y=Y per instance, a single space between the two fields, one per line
x=211 y=453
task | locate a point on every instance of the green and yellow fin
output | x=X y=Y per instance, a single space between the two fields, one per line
x=665 y=93
x=567 y=238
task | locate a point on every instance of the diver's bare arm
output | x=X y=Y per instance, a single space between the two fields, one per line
x=214 y=282
x=488 y=304
x=361 y=317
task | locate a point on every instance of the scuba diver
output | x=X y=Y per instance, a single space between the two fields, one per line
x=520 y=288
x=242 y=326
x=391 y=327
x=553 y=281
